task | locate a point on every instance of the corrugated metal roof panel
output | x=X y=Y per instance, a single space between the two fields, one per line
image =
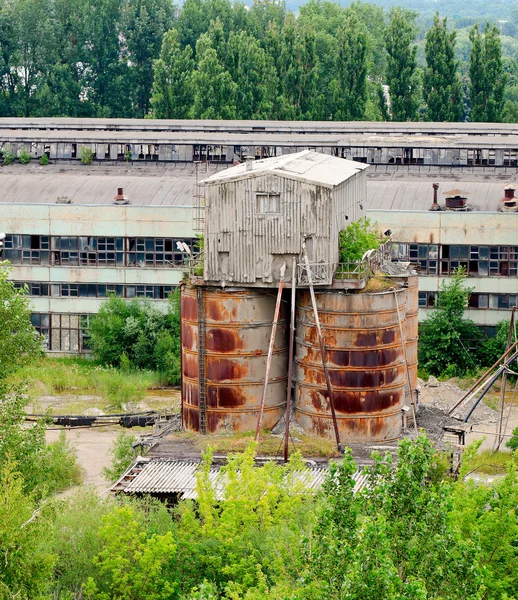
x=307 y=166
x=167 y=476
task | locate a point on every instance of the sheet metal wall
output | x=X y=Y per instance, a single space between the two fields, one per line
x=238 y=329
x=245 y=247
x=366 y=365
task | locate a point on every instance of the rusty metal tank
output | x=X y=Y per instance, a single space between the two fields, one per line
x=411 y=328
x=365 y=360
x=238 y=325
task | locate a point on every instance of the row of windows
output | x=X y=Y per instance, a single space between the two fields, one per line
x=97 y=290
x=498 y=301
x=63 y=332
x=96 y=251
x=478 y=261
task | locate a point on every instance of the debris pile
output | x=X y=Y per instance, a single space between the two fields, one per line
x=443 y=395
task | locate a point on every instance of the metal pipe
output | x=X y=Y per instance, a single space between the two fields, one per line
x=481 y=379
x=489 y=385
x=270 y=352
x=290 y=359
x=322 y=349
x=403 y=345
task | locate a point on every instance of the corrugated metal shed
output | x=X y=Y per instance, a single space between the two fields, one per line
x=307 y=166
x=172 y=477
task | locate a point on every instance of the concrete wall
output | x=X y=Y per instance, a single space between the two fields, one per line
x=457 y=228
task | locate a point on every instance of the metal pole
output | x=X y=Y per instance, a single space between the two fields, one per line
x=403 y=345
x=322 y=349
x=482 y=378
x=270 y=352
x=290 y=360
x=498 y=438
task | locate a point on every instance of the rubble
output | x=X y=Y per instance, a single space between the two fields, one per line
x=443 y=395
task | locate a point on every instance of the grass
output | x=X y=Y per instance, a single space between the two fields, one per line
x=377 y=283
x=269 y=445
x=490 y=463
x=54 y=376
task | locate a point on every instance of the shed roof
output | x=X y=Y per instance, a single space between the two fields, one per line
x=306 y=166
x=174 y=476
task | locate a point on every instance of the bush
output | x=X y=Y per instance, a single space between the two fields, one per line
x=356 y=239
x=24 y=156
x=8 y=155
x=138 y=334
x=122 y=455
x=44 y=160
x=513 y=442
x=86 y=155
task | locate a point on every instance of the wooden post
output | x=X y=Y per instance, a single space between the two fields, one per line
x=403 y=345
x=290 y=359
x=270 y=352
x=322 y=350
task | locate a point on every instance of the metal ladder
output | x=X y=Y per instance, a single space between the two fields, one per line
x=202 y=381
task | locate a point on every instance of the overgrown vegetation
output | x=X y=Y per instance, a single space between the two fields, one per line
x=138 y=334
x=122 y=455
x=86 y=155
x=358 y=237
x=259 y=532
x=24 y=156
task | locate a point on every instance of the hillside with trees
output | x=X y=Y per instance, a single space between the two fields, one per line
x=219 y=59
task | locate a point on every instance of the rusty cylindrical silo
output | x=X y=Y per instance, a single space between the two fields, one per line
x=365 y=361
x=236 y=325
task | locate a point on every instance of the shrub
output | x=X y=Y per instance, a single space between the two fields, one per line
x=513 y=442
x=356 y=239
x=122 y=456
x=24 y=156
x=86 y=155
x=44 y=160
x=8 y=155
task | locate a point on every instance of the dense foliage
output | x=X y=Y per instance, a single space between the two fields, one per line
x=138 y=334
x=222 y=59
x=356 y=239
x=259 y=532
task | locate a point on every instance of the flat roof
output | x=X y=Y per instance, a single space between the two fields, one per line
x=306 y=166
x=22 y=184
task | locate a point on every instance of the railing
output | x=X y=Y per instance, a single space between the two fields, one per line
x=195 y=264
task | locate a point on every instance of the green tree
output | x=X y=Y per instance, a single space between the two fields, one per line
x=350 y=85
x=172 y=91
x=487 y=78
x=441 y=83
x=395 y=538
x=449 y=343
x=26 y=562
x=401 y=64
x=19 y=342
x=254 y=74
x=214 y=90
x=133 y=564
x=144 y=26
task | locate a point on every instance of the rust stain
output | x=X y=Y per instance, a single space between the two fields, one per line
x=224 y=369
x=223 y=340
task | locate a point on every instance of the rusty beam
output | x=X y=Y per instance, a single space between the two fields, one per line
x=270 y=352
x=322 y=349
x=403 y=346
x=290 y=358
x=481 y=379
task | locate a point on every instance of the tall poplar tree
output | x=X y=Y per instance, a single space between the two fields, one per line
x=172 y=91
x=401 y=64
x=486 y=74
x=350 y=85
x=441 y=83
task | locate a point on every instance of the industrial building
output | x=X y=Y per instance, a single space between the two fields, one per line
x=272 y=224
